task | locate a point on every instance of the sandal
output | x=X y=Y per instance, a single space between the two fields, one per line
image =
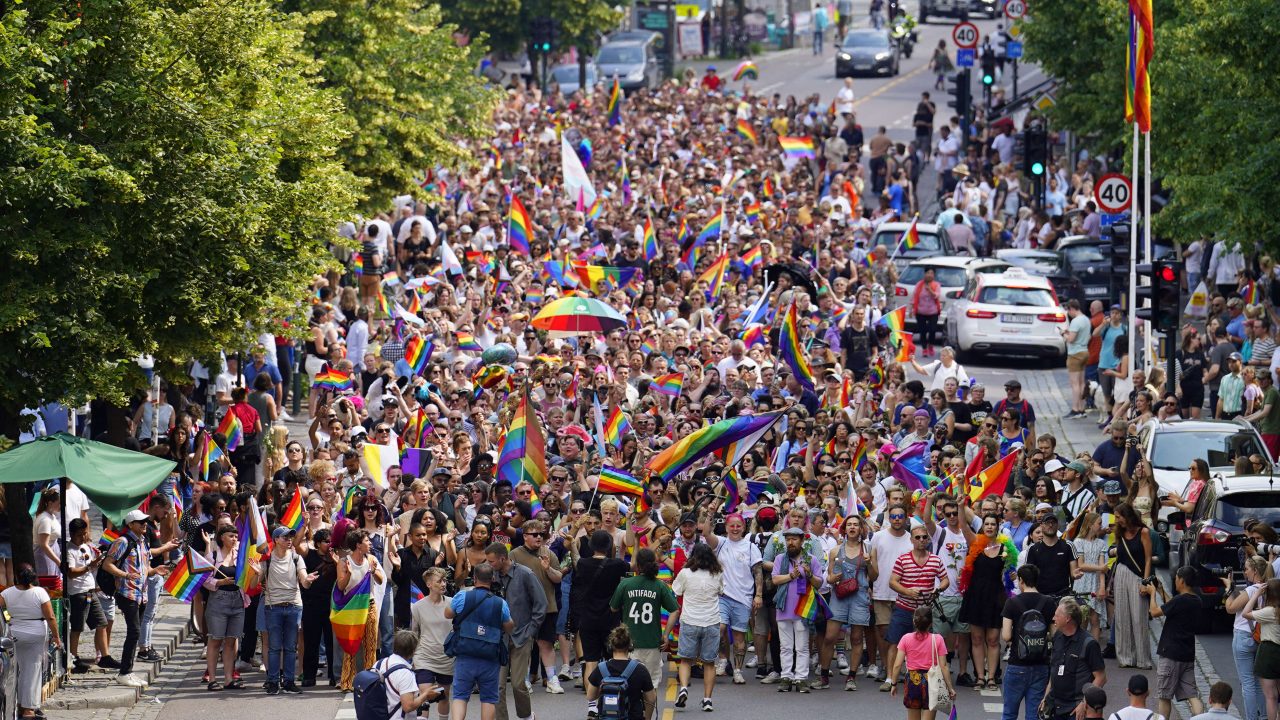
x=988 y=684
x=205 y=678
x=214 y=686
x=236 y=684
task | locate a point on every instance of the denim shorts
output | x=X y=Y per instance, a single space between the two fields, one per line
x=900 y=623
x=734 y=614
x=699 y=643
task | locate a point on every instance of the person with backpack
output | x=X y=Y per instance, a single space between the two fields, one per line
x=389 y=690
x=283 y=576
x=1075 y=660
x=641 y=599
x=1137 y=691
x=127 y=563
x=1013 y=401
x=621 y=687
x=1026 y=630
x=476 y=645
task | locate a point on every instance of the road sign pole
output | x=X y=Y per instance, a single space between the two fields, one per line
x=1015 y=80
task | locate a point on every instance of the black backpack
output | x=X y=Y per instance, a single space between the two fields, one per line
x=106 y=581
x=614 y=701
x=369 y=692
x=1030 y=638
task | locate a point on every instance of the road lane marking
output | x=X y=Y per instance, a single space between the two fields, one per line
x=898 y=81
x=996 y=708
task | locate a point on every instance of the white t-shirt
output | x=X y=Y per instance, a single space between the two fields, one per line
x=78 y=557
x=399 y=681
x=951 y=548
x=737 y=559
x=887 y=549
x=77 y=502
x=47 y=523
x=1133 y=713
x=25 y=607
x=701 y=591
x=941 y=374
x=432 y=628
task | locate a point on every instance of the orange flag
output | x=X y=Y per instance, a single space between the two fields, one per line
x=994 y=479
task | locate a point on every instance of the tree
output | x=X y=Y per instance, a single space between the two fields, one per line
x=498 y=21
x=1214 y=98
x=411 y=91
x=169 y=177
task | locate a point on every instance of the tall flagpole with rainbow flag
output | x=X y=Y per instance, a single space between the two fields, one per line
x=1137 y=110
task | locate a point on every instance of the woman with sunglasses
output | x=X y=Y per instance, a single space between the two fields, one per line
x=351 y=570
x=295 y=459
x=471 y=553
x=1011 y=433
x=317 y=557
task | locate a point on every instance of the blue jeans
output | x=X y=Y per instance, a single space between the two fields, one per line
x=282 y=637
x=1243 y=648
x=1024 y=684
x=149 y=613
x=817 y=42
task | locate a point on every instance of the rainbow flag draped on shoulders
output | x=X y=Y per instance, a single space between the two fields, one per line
x=348 y=613
x=792 y=351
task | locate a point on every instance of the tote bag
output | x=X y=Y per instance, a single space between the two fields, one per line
x=939 y=698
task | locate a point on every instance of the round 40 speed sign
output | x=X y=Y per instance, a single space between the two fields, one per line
x=1113 y=193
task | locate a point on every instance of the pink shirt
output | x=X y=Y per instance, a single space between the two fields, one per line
x=918 y=649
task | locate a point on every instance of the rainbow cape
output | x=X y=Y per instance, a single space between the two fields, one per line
x=669 y=384
x=732 y=437
x=348 y=613
x=613 y=480
x=232 y=430
x=520 y=227
x=524 y=451
x=792 y=351
x=616 y=428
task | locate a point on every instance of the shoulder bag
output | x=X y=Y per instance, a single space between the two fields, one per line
x=849 y=585
x=939 y=697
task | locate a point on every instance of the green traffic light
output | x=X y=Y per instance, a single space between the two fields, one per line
x=546 y=46
x=987 y=79
x=1037 y=169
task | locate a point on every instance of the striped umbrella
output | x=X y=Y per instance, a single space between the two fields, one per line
x=571 y=316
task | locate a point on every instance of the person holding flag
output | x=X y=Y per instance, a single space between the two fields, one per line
x=282 y=577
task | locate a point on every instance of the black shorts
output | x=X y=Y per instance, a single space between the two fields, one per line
x=428 y=677
x=85 y=607
x=1192 y=397
x=547 y=630
x=595 y=641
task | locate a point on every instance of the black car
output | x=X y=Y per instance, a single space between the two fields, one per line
x=1213 y=540
x=867 y=51
x=1089 y=260
x=1047 y=264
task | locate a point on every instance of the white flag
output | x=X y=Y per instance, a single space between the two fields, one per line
x=575 y=176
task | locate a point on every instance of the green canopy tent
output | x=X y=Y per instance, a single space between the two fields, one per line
x=115 y=479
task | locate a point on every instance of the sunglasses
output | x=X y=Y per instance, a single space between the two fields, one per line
x=315 y=508
x=578 y=511
x=896 y=516
x=920 y=537
x=535 y=534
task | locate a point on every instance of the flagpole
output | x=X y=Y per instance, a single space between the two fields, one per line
x=1146 y=235
x=1133 y=262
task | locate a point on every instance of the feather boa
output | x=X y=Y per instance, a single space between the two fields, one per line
x=1010 y=561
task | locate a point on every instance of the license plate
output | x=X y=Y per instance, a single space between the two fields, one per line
x=861 y=66
x=1019 y=319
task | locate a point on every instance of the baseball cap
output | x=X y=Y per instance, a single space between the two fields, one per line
x=1112 y=487
x=767 y=513
x=135 y=516
x=1053 y=465
x=688 y=518
x=1138 y=684
x=1236 y=356
x=1095 y=697
x=1077 y=466
x=282 y=531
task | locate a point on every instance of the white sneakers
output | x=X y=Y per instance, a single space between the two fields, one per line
x=131 y=680
x=737 y=678
x=721 y=667
x=553 y=686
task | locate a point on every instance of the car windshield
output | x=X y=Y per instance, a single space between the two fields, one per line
x=1235 y=508
x=569 y=74
x=890 y=240
x=620 y=56
x=1078 y=255
x=1036 y=264
x=946 y=276
x=1016 y=296
x=1176 y=450
x=865 y=40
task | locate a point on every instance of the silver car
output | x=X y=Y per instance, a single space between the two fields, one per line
x=566 y=77
x=635 y=64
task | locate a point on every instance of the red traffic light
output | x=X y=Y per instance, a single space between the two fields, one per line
x=1168 y=274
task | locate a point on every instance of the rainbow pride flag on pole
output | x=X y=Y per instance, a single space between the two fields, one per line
x=615 y=104
x=792 y=351
x=184 y=580
x=617 y=427
x=669 y=384
x=468 y=343
x=733 y=436
x=232 y=430
x=613 y=480
x=332 y=379
x=909 y=239
x=745 y=130
x=348 y=613
x=292 y=515
x=714 y=278
x=209 y=454
x=417 y=353
x=523 y=457
x=895 y=320
x=712 y=228
x=519 y=227
x=797 y=147
x=1137 y=95
x=650 y=241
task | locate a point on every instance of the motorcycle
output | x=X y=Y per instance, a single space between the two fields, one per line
x=904 y=33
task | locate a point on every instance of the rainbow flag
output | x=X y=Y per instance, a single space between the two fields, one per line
x=348 y=613
x=910 y=238
x=417 y=430
x=616 y=427
x=811 y=606
x=533 y=295
x=332 y=379
x=859 y=456
x=357 y=263
x=731 y=436
x=613 y=480
x=896 y=320
x=792 y=351
x=109 y=536
x=875 y=377
x=182 y=583
x=1137 y=95
x=745 y=130
x=669 y=384
x=906 y=346
x=555 y=270
x=467 y=342
x=994 y=480
x=209 y=454
x=292 y=515
x=520 y=227
x=597 y=208
x=753 y=334
x=1251 y=293
x=231 y=429
x=615 y=104
x=712 y=228
x=767 y=188
x=650 y=241
x=246 y=553
x=797 y=147
x=746 y=69
x=601 y=278
x=523 y=457
x=535 y=502
x=753 y=258
x=714 y=278
x=417 y=353
x=682 y=230
x=754 y=211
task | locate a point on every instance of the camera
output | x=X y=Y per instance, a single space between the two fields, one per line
x=1265 y=548
x=1131 y=440
x=1151 y=580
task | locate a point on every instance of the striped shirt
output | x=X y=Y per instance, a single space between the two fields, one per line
x=134 y=562
x=1231 y=393
x=922 y=577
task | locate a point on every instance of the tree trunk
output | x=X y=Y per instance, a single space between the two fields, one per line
x=16 y=502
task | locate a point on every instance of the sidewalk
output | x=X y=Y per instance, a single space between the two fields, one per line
x=97 y=689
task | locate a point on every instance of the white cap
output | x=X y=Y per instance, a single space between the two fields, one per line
x=135 y=516
x=1053 y=465
x=1043 y=506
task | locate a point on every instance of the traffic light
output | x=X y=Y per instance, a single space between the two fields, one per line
x=988 y=68
x=542 y=34
x=1035 y=155
x=960 y=92
x=1120 y=267
x=1164 y=290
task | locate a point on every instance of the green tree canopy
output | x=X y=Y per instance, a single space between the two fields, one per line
x=410 y=90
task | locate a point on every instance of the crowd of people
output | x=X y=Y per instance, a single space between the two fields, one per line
x=860 y=501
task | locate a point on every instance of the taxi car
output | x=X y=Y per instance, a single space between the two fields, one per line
x=1010 y=313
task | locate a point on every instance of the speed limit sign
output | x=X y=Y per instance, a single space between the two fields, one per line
x=965 y=35
x=1015 y=9
x=1113 y=193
